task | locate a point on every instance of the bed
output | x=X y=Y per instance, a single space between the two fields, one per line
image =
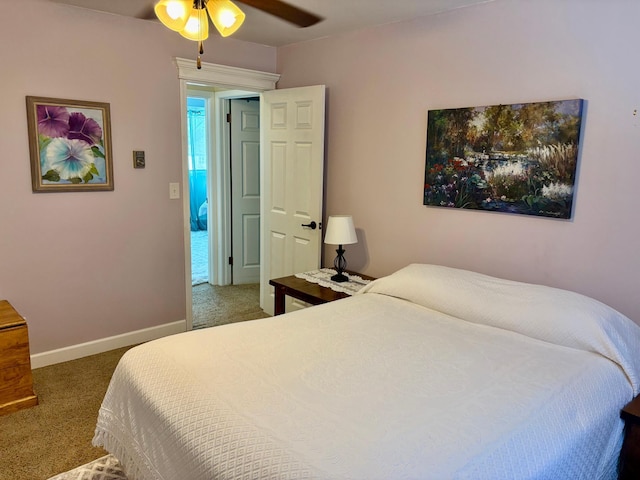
x=428 y=373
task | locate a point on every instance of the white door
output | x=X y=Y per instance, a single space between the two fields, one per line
x=245 y=190
x=292 y=144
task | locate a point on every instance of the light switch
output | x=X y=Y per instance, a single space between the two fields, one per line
x=138 y=159
x=174 y=191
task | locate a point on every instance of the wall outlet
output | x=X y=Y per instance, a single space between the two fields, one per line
x=174 y=191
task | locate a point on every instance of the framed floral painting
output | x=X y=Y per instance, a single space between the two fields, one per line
x=519 y=158
x=70 y=145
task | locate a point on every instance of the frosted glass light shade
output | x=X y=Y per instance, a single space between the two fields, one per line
x=225 y=15
x=173 y=13
x=197 y=27
x=340 y=230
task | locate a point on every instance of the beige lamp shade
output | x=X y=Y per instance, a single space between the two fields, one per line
x=340 y=230
x=173 y=13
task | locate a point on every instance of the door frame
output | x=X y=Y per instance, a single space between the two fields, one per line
x=220 y=77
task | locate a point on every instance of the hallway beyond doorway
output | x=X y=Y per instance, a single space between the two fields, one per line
x=199 y=257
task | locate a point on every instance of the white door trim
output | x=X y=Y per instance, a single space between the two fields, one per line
x=223 y=76
x=219 y=76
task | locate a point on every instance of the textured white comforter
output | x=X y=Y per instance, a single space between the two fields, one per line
x=379 y=387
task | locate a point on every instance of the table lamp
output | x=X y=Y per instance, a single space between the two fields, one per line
x=340 y=231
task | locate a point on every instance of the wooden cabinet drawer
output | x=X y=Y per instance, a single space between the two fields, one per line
x=14 y=345
x=14 y=383
x=16 y=380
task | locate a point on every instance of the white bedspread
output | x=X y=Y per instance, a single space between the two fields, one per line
x=369 y=387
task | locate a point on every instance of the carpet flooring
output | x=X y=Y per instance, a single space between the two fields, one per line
x=55 y=436
x=219 y=305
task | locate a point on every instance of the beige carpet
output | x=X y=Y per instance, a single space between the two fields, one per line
x=214 y=306
x=41 y=442
x=54 y=436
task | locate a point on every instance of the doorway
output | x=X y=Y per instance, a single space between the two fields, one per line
x=213 y=77
x=292 y=150
x=223 y=165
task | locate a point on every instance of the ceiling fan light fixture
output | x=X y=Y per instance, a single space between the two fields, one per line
x=225 y=15
x=173 y=13
x=197 y=26
x=189 y=17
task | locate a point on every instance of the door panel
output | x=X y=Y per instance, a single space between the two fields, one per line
x=245 y=190
x=303 y=173
x=292 y=142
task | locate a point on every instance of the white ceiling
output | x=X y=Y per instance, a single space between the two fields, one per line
x=340 y=16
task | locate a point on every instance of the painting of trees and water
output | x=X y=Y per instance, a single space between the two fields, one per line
x=517 y=158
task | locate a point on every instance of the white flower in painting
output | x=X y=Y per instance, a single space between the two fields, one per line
x=70 y=158
x=514 y=169
x=557 y=191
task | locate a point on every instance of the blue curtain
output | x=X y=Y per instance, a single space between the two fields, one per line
x=199 y=203
x=197 y=134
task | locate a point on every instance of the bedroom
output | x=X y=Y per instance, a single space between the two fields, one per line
x=132 y=236
x=121 y=253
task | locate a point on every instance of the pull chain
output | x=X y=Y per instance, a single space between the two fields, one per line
x=200 y=51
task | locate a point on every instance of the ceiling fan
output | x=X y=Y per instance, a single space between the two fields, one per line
x=277 y=8
x=189 y=17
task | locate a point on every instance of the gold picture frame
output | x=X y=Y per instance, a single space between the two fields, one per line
x=69 y=145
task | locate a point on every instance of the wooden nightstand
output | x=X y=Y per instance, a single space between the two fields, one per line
x=304 y=290
x=629 y=463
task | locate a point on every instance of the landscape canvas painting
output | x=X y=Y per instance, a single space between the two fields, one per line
x=518 y=158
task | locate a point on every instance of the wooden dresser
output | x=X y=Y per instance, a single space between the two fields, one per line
x=16 y=381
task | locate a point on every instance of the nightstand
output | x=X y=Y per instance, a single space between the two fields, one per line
x=306 y=291
x=629 y=463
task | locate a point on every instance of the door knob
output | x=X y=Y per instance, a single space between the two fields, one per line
x=311 y=225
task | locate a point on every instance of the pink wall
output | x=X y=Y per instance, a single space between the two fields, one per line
x=85 y=266
x=382 y=81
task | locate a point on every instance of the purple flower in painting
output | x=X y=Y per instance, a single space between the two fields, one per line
x=53 y=121
x=83 y=128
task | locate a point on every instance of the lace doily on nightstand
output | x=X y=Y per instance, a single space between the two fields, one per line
x=323 y=278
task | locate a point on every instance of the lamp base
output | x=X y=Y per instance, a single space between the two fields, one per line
x=340 y=277
x=340 y=264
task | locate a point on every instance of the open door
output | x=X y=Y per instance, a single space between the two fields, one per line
x=292 y=150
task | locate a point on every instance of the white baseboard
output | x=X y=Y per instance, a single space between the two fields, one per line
x=105 y=344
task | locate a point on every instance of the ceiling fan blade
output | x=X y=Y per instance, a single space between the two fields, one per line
x=147 y=14
x=285 y=11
